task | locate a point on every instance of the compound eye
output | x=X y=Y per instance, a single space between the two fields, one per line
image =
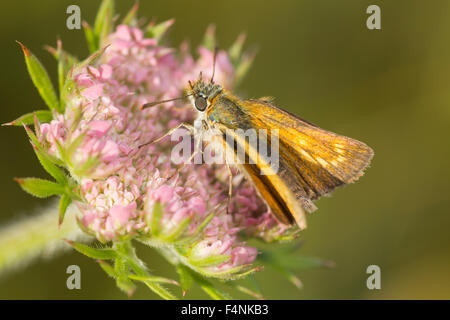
x=200 y=103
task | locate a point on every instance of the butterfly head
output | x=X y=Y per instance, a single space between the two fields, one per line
x=202 y=94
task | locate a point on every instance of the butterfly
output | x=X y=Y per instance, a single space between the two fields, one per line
x=312 y=162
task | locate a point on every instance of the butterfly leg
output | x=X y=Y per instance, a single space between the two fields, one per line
x=230 y=187
x=197 y=149
x=187 y=126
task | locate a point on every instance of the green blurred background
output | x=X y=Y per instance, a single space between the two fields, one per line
x=388 y=88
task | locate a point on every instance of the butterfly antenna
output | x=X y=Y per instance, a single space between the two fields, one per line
x=155 y=103
x=214 y=64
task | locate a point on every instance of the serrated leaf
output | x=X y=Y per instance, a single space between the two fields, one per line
x=51 y=168
x=28 y=119
x=63 y=204
x=100 y=254
x=158 y=30
x=41 y=80
x=39 y=187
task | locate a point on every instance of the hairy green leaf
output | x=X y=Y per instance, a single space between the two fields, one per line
x=50 y=167
x=28 y=119
x=186 y=279
x=40 y=78
x=100 y=254
x=39 y=187
x=63 y=204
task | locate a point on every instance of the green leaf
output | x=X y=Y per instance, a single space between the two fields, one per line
x=155 y=219
x=122 y=271
x=104 y=21
x=100 y=254
x=208 y=287
x=153 y=279
x=65 y=63
x=287 y=260
x=131 y=15
x=28 y=119
x=199 y=229
x=107 y=268
x=75 y=144
x=39 y=187
x=34 y=140
x=89 y=60
x=178 y=230
x=51 y=168
x=236 y=48
x=238 y=272
x=158 y=30
x=63 y=204
x=243 y=66
x=160 y=290
x=90 y=37
x=186 y=279
x=249 y=291
x=126 y=285
x=210 y=261
x=209 y=40
x=251 y=288
x=32 y=137
x=41 y=80
x=127 y=252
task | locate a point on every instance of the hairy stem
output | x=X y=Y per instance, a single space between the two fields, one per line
x=36 y=236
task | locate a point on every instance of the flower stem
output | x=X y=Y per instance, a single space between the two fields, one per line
x=36 y=236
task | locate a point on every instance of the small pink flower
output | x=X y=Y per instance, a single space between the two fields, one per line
x=120 y=215
x=93 y=92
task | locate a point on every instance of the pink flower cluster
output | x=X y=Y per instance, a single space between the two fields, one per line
x=98 y=140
